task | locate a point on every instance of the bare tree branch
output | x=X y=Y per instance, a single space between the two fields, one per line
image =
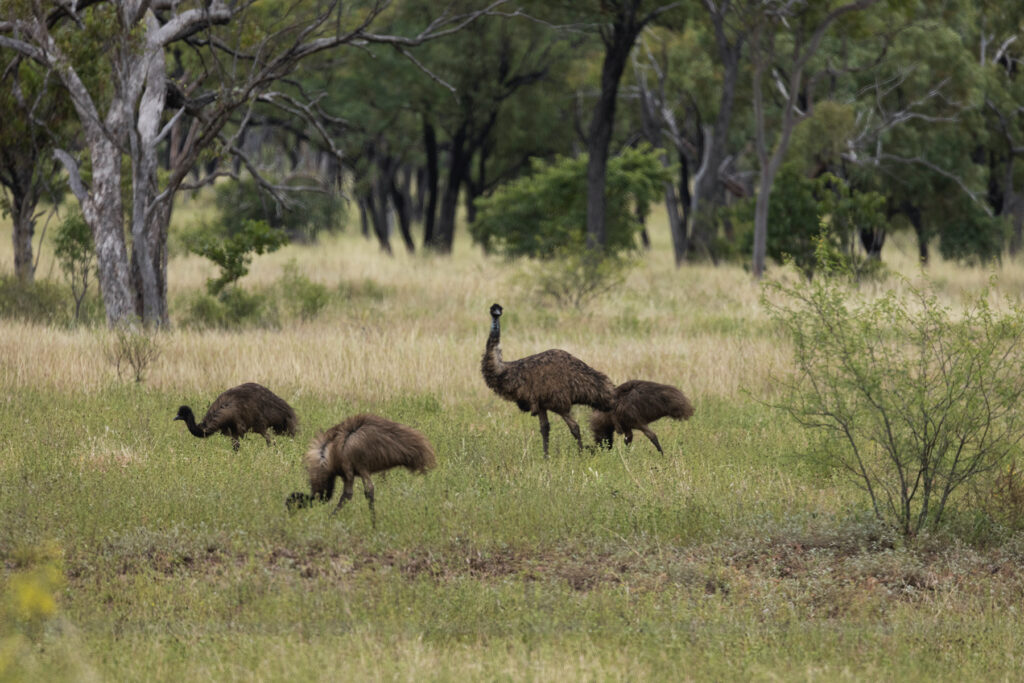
x=74 y=177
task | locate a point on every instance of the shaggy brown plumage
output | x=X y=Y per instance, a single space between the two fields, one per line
x=249 y=407
x=552 y=380
x=360 y=446
x=637 y=404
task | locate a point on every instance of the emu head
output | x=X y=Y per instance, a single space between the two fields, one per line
x=297 y=501
x=604 y=437
x=184 y=413
x=496 y=311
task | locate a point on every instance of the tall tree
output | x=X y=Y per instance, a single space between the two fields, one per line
x=34 y=115
x=510 y=57
x=709 y=192
x=1000 y=49
x=620 y=24
x=785 y=36
x=231 y=70
x=919 y=137
x=653 y=115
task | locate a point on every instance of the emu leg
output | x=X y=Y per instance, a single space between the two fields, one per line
x=574 y=428
x=265 y=437
x=346 y=494
x=545 y=429
x=627 y=435
x=368 y=492
x=235 y=443
x=651 y=435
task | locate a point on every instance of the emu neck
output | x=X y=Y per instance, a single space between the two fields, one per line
x=492 y=364
x=494 y=343
x=190 y=422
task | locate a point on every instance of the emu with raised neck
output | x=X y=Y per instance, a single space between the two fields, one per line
x=552 y=380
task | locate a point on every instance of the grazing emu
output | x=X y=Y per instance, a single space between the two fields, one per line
x=361 y=445
x=249 y=407
x=638 y=403
x=550 y=380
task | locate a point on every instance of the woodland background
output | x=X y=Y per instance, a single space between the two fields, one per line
x=200 y=195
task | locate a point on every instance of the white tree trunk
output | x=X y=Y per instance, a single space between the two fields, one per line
x=147 y=246
x=103 y=211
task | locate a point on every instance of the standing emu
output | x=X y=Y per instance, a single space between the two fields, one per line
x=361 y=445
x=249 y=407
x=550 y=380
x=638 y=403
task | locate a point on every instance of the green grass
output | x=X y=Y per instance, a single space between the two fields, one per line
x=732 y=556
x=725 y=558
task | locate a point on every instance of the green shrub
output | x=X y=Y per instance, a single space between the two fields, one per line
x=73 y=247
x=233 y=252
x=544 y=213
x=812 y=217
x=575 y=277
x=293 y=297
x=912 y=400
x=307 y=214
x=300 y=296
x=232 y=308
x=41 y=301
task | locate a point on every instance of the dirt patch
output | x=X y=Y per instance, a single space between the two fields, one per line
x=828 y=580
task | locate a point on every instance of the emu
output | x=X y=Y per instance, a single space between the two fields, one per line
x=249 y=407
x=360 y=446
x=552 y=380
x=637 y=404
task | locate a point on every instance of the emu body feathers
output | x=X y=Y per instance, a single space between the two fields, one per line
x=638 y=403
x=360 y=446
x=249 y=407
x=552 y=380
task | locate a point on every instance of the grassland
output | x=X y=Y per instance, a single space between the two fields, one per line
x=730 y=557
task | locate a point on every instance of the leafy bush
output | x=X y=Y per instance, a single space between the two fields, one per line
x=308 y=213
x=544 y=213
x=971 y=236
x=302 y=297
x=34 y=579
x=912 y=401
x=73 y=247
x=234 y=252
x=809 y=217
x=293 y=297
x=39 y=302
x=575 y=277
x=543 y=216
x=232 y=308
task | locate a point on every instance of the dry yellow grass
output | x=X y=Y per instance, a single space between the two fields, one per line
x=699 y=327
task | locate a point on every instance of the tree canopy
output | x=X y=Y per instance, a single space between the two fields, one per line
x=410 y=111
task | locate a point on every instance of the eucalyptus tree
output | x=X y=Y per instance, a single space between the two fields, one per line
x=785 y=37
x=996 y=37
x=485 y=77
x=239 y=52
x=34 y=116
x=658 y=123
x=678 y=85
x=918 y=131
x=709 y=187
x=619 y=23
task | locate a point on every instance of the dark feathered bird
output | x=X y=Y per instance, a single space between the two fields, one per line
x=552 y=380
x=246 y=408
x=637 y=404
x=360 y=446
